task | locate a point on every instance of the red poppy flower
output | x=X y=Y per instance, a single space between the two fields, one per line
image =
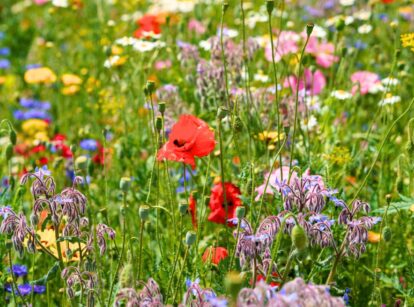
x=99 y=158
x=147 y=24
x=387 y=1
x=192 y=207
x=217 y=206
x=190 y=137
x=216 y=254
x=272 y=283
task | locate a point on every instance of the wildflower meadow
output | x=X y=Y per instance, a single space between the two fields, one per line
x=207 y=153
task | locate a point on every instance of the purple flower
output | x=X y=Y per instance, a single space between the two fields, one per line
x=89 y=144
x=31 y=66
x=31 y=103
x=33 y=113
x=19 y=270
x=39 y=289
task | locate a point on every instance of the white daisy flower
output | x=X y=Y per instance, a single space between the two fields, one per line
x=341 y=95
x=390 y=100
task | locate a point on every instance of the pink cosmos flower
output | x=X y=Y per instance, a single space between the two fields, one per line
x=285 y=44
x=40 y=2
x=322 y=51
x=313 y=83
x=366 y=81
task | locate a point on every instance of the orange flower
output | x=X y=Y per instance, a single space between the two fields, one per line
x=215 y=255
x=374 y=237
x=40 y=75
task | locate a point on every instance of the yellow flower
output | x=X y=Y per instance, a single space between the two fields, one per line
x=116 y=50
x=48 y=240
x=70 y=90
x=339 y=155
x=271 y=138
x=33 y=126
x=40 y=75
x=71 y=79
x=2 y=79
x=407 y=40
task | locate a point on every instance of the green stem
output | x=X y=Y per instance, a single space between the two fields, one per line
x=141 y=234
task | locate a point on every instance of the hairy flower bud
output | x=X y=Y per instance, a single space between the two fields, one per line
x=387 y=234
x=13 y=136
x=299 y=238
x=8 y=152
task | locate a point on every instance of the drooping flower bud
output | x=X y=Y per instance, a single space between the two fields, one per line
x=240 y=212
x=299 y=238
x=13 y=136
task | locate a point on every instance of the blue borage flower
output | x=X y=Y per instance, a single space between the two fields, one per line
x=4 y=211
x=5 y=51
x=89 y=144
x=18 y=270
x=346 y=296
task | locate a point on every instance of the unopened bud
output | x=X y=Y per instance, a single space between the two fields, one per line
x=309 y=29
x=190 y=238
x=144 y=212
x=270 y=5
x=387 y=234
x=240 y=212
x=13 y=136
x=125 y=184
x=161 y=107
x=225 y=6
x=8 y=152
x=299 y=238
x=158 y=123
x=150 y=87
x=340 y=25
x=183 y=208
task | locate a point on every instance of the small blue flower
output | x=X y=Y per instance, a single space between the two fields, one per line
x=5 y=51
x=19 y=270
x=4 y=63
x=346 y=297
x=39 y=289
x=89 y=144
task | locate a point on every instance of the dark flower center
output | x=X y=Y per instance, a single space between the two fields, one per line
x=179 y=143
x=229 y=204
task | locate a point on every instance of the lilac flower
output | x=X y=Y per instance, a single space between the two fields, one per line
x=4 y=211
x=19 y=270
x=30 y=114
x=101 y=230
x=150 y=295
x=89 y=144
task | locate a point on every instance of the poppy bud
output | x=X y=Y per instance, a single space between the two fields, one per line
x=387 y=234
x=309 y=29
x=81 y=163
x=299 y=238
x=388 y=198
x=190 y=238
x=13 y=136
x=270 y=5
x=158 y=123
x=183 y=208
x=240 y=212
x=150 y=87
x=233 y=284
x=222 y=113
x=238 y=124
x=8 y=152
x=161 y=107
x=144 y=212
x=125 y=184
